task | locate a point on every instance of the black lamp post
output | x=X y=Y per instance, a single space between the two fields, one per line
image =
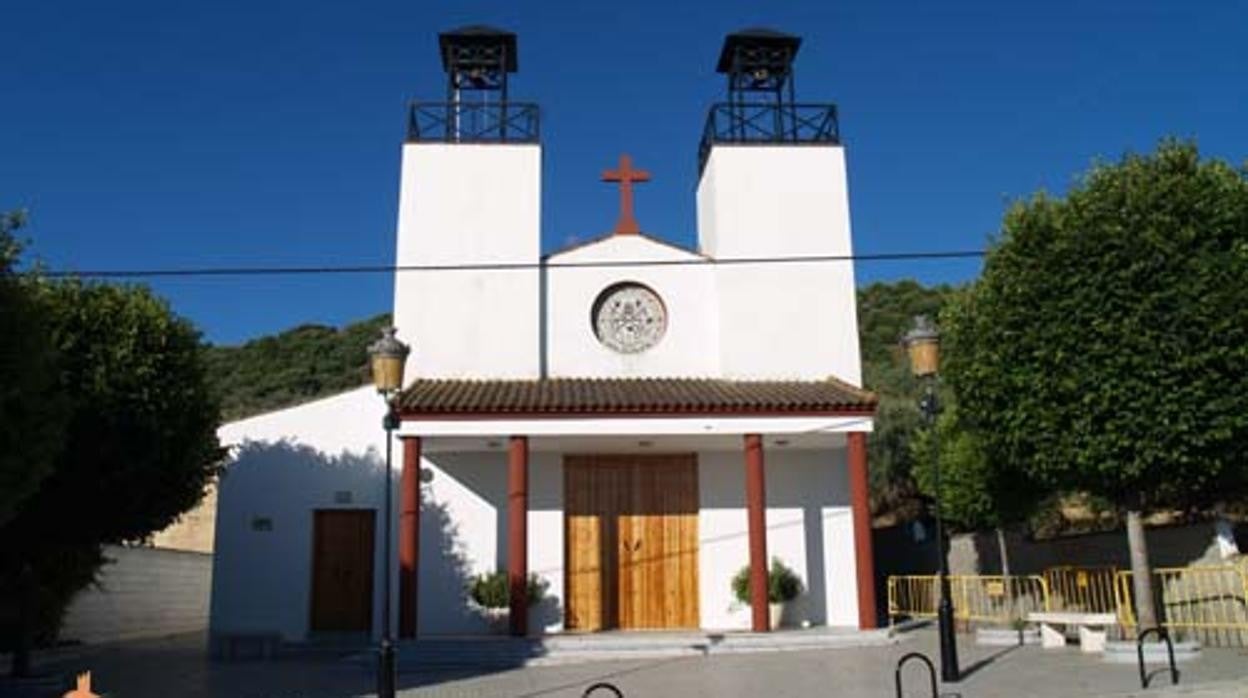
x=388 y=356
x=923 y=345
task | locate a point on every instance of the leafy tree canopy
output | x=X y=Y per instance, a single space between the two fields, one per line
x=139 y=448
x=32 y=410
x=976 y=493
x=1105 y=347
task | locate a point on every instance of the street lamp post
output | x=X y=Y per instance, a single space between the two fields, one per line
x=388 y=356
x=923 y=345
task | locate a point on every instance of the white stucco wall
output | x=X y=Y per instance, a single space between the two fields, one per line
x=469 y=204
x=809 y=528
x=464 y=533
x=285 y=465
x=791 y=320
x=465 y=204
x=756 y=200
x=690 y=346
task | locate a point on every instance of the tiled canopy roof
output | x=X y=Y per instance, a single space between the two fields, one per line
x=631 y=396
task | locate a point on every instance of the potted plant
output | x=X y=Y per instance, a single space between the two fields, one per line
x=783 y=585
x=492 y=594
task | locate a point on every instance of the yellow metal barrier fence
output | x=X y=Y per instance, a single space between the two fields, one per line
x=990 y=599
x=1082 y=589
x=1205 y=602
x=912 y=595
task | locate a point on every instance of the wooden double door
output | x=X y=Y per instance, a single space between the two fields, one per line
x=631 y=537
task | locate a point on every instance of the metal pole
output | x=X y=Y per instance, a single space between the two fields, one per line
x=949 y=672
x=502 y=105
x=385 y=669
x=792 y=99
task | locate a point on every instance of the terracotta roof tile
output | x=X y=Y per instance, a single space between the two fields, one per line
x=631 y=396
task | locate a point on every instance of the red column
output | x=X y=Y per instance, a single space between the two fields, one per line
x=409 y=535
x=756 y=508
x=517 y=532
x=860 y=502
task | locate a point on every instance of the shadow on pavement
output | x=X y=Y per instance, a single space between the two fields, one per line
x=985 y=661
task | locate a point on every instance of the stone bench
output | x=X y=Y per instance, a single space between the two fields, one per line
x=1092 y=628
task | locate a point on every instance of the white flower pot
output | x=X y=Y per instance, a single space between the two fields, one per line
x=498 y=620
x=775 y=612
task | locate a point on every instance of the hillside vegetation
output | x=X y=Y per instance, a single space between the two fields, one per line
x=294 y=366
x=885 y=313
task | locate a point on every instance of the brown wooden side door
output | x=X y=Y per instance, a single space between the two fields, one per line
x=342 y=570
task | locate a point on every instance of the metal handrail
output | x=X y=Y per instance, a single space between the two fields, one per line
x=762 y=123
x=467 y=122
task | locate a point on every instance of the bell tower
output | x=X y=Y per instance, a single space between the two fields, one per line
x=469 y=195
x=759 y=62
x=772 y=183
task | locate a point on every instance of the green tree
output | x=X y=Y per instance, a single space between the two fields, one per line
x=975 y=494
x=1105 y=348
x=32 y=414
x=885 y=311
x=968 y=487
x=139 y=449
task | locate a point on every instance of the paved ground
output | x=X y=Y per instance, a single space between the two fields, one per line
x=178 y=667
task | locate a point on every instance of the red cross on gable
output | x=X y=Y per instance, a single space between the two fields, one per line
x=626 y=175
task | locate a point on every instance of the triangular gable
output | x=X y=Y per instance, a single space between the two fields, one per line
x=624 y=248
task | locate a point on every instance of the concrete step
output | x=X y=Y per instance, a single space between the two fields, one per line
x=1006 y=637
x=502 y=652
x=1154 y=652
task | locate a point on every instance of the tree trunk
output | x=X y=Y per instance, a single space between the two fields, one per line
x=27 y=588
x=1011 y=608
x=1005 y=554
x=21 y=659
x=1141 y=572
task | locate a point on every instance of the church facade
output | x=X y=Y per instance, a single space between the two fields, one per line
x=631 y=422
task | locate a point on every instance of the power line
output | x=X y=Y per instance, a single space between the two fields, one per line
x=495 y=266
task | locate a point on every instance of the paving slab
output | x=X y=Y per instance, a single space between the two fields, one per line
x=180 y=666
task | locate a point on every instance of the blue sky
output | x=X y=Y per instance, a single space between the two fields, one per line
x=174 y=134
